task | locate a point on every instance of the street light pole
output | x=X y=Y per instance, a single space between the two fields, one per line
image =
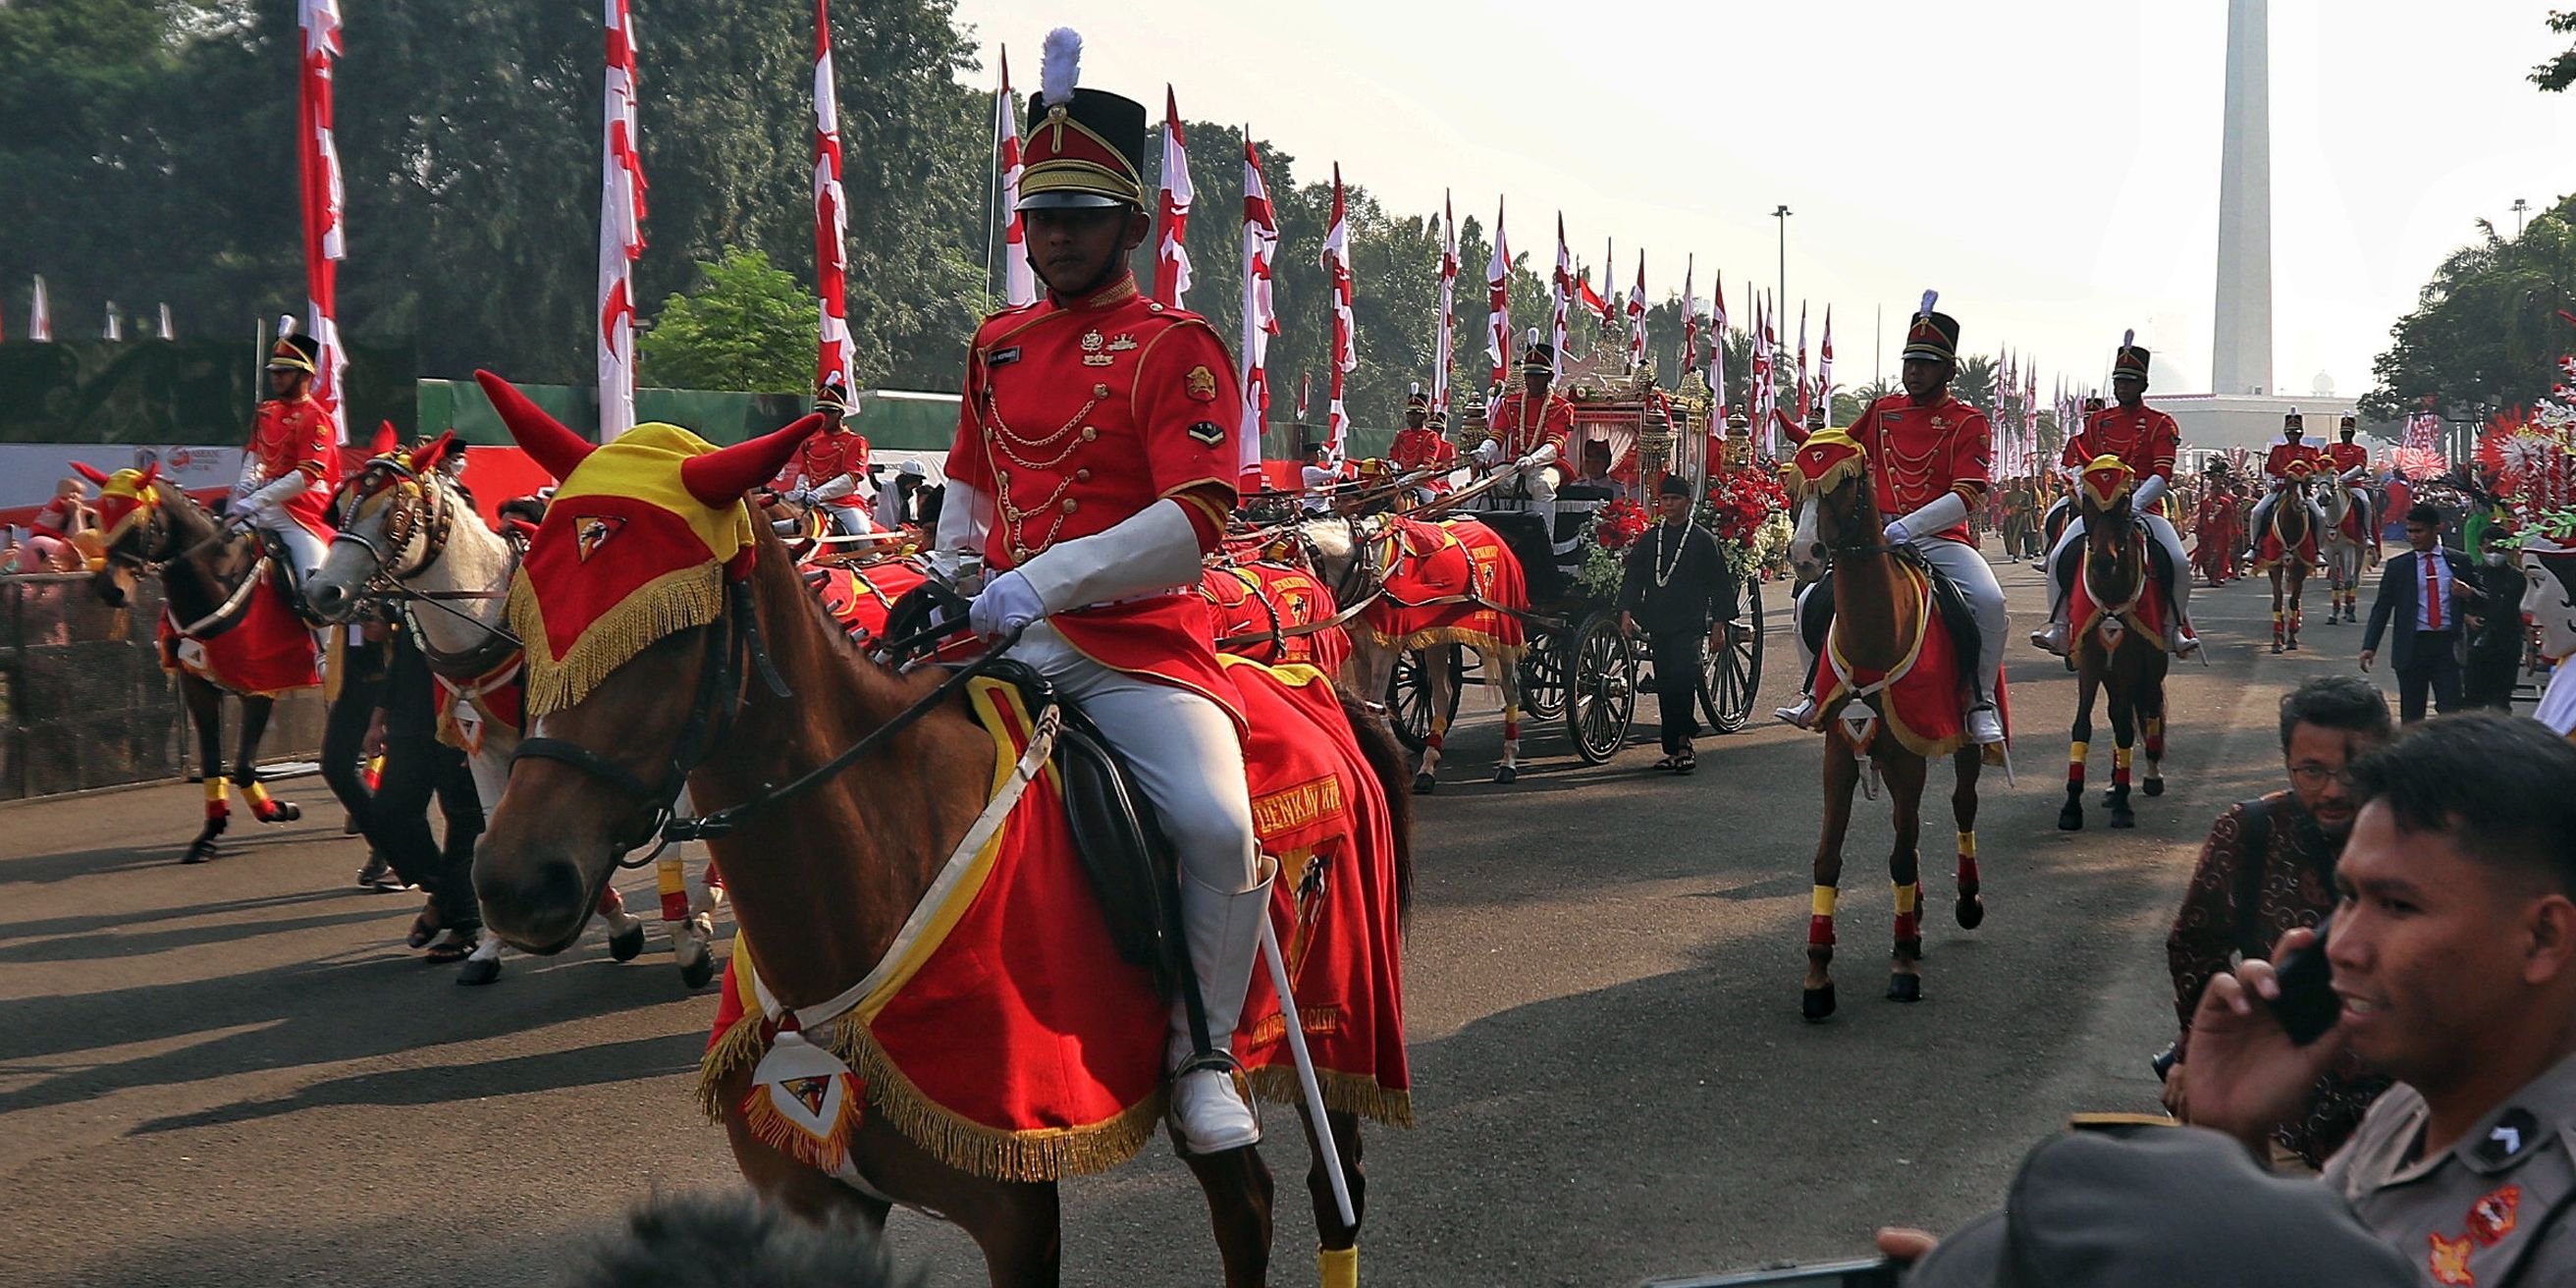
x=2519 y=206
x=1782 y=214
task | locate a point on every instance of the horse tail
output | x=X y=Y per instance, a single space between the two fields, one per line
x=1385 y=757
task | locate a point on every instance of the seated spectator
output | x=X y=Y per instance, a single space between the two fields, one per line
x=2269 y=868
x=733 y=1240
x=2453 y=955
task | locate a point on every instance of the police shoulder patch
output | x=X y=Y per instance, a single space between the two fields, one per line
x=1200 y=383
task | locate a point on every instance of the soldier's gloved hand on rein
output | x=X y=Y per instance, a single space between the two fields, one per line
x=1008 y=603
x=1524 y=462
x=242 y=508
x=1488 y=452
x=1897 y=535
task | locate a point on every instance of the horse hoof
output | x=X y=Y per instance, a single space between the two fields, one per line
x=696 y=971
x=2071 y=818
x=1507 y=774
x=1904 y=988
x=625 y=944
x=1425 y=784
x=2276 y=646
x=201 y=850
x=2124 y=818
x=1971 y=912
x=479 y=970
x=2153 y=787
x=1817 y=1004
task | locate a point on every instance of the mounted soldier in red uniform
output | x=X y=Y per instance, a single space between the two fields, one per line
x=2145 y=440
x=292 y=463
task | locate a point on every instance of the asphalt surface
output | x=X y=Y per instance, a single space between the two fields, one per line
x=234 y=1074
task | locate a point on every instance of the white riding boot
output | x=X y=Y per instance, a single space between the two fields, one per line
x=1209 y=1106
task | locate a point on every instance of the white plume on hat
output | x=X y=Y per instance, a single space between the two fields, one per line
x=1928 y=298
x=2129 y=339
x=285 y=325
x=1059 y=66
x=1533 y=335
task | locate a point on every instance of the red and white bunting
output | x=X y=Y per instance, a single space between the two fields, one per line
x=621 y=229
x=1346 y=358
x=1561 y=297
x=1825 y=368
x=2423 y=433
x=1637 y=317
x=832 y=357
x=1498 y=302
x=1260 y=319
x=1445 y=345
x=1690 y=316
x=40 y=316
x=1804 y=390
x=1717 y=356
x=1172 y=212
x=1019 y=280
x=318 y=169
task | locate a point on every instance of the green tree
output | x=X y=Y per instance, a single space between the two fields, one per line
x=2558 y=73
x=2488 y=326
x=746 y=327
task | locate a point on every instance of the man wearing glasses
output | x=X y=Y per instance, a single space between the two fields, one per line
x=2268 y=867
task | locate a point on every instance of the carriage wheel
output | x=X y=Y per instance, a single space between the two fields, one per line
x=1543 y=675
x=1733 y=674
x=1601 y=701
x=1408 y=694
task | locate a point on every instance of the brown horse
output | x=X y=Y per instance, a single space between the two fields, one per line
x=1879 y=618
x=2113 y=656
x=823 y=881
x=205 y=571
x=2292 y=526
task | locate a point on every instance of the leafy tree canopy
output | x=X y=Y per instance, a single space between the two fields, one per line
x=2487 y=327
x=748 y=327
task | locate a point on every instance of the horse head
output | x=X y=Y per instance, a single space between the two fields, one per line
x=1828 y=478
x=2113 y=555
x=395 y=518
x=139 y=516
x=624 y=605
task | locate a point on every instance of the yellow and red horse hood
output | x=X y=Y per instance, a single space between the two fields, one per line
x=626 y=556
x=2106 y=480
x=1828 y=457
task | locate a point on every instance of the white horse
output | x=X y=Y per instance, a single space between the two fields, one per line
x=406 y=524
x=1343 y=553
x=2345 y=558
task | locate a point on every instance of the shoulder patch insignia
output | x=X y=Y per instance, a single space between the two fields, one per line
x=2493 y=1217
x=2510 y=1134
x=1208 y=431
x=1200 y=383
x=2449 y=1261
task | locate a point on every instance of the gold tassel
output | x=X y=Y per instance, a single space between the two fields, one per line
x=679 y=600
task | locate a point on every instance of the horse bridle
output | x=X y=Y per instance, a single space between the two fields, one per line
x=415 y=508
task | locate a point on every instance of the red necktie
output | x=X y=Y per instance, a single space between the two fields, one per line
x=2432 y=593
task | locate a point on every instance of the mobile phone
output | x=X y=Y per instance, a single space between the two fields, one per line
x=1876 y=1273
x=2308 y=1005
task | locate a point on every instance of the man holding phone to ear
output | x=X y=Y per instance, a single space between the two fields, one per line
x=2452 y=963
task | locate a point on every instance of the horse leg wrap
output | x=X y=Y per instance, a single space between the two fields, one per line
x=2075 y=754
x=1967 y=863
x=1820 y=921
x=2120 y=768
x=374 y=773
x=671 y=882
x=1338 y=1267
x=2155 y=739
x=1511 y=735
x=217 y=806
x=1908 y=927
x=264 y=809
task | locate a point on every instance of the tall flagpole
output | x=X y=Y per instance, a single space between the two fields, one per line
x=621 y=229
x=318 y=172
x=1260 y=321
x=832 y=358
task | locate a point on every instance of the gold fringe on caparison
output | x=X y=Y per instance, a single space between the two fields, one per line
x=675 y=601
x=1495 y=652
x=1039 y=1154
x=1344 y=1093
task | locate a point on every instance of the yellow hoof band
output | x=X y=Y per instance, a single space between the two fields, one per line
x=1967 y=845
x=214 y=790
x=1338 y=1267
x=256 y=794
x=1823 y=903
x=2076 y=752
x=1906 y=895
x=2120 y=757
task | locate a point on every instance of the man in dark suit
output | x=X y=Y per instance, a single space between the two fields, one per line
x=2426 y=591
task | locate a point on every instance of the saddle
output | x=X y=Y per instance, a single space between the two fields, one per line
x=1949 y=605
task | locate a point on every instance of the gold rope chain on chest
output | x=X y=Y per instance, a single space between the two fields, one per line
x=999 y=435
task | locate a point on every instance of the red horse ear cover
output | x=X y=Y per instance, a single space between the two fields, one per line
x=91 y=472
x=435 y=451
x=555 y=449
x=386 y=440
x=151 y=475
x=720 y=477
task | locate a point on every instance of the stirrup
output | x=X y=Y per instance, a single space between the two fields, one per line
x=1801 y=716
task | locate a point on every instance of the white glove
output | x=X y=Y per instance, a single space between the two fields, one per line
x=242 y=508
x=1897 y=535
x=1525 y=462
x=1008 y=603
x=1488 y=452
x=279 y=491
x=958 y=568
x=1945 y=510
x=1156 y=548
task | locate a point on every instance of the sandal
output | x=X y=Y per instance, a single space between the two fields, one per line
x=1685 y=762
x=424 y=927
x=454 y=945
x=1665 y=764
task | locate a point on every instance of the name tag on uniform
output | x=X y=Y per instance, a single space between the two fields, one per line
x=1002 y=357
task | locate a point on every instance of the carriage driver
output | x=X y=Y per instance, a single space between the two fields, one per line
x=1928 y=456
x=2276 y=467
x=291 y=466
x=827 y=468
x=1421 y=446
x=1093 y=467
x=2145 y=440
x=1529 y=428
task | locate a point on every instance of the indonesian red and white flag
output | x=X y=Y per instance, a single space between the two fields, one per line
x=1588 y=299
x=1690 y=316
x=40 y=316
x=1019 y=280
x=1445 y=345
x=1637 y=317
x=832 y=356
x=1260 y=318
x=1345 y=360
x=1825 y=367
x=1561 y=299
x=1717 y=356
x=1498 y=301
x=621 y=228
x=318 y=172
x=1172 y=212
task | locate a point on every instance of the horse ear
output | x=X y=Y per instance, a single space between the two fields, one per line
x=91 y=472
x=433 y=453
x=151 y=475
x=386 y=440
x=555 y=449
x=719 y=478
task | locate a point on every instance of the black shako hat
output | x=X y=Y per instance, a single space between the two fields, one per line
x=1673 y=485
x=2130 y=360
x=1085 y=147
x=1932 y=335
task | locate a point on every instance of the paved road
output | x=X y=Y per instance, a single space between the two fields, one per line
x=233 y=1074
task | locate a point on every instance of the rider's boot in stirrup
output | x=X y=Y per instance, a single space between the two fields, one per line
x=1211 y=1109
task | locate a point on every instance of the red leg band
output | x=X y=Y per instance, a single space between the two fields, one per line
x=1820 y=932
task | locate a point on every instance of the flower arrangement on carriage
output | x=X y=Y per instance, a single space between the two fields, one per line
x=1606 y=540
x=1748 y=512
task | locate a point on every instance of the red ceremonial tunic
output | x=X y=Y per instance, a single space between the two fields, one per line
x=1916 y=454
x=2276 y=462
x=828 y=456
x=1077 y=416
x=296 y=435
x=1522 y=429
x=1415 y=448
x=2145 y=440
x=2345 y=456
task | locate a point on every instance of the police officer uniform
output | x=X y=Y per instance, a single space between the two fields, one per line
x=1094 y=466
x=2488 y=1212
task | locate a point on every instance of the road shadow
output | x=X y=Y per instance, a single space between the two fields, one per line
x=591 y=1066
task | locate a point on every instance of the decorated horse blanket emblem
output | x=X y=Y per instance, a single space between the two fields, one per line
x=2272 y=552
x=266 y=651
x=1010 y=1041
x=2147 y=613
x=1448 y=583
x=1922 y=700
x=1268 y=600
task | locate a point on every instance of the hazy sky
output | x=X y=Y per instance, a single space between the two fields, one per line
x=2051 y=166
